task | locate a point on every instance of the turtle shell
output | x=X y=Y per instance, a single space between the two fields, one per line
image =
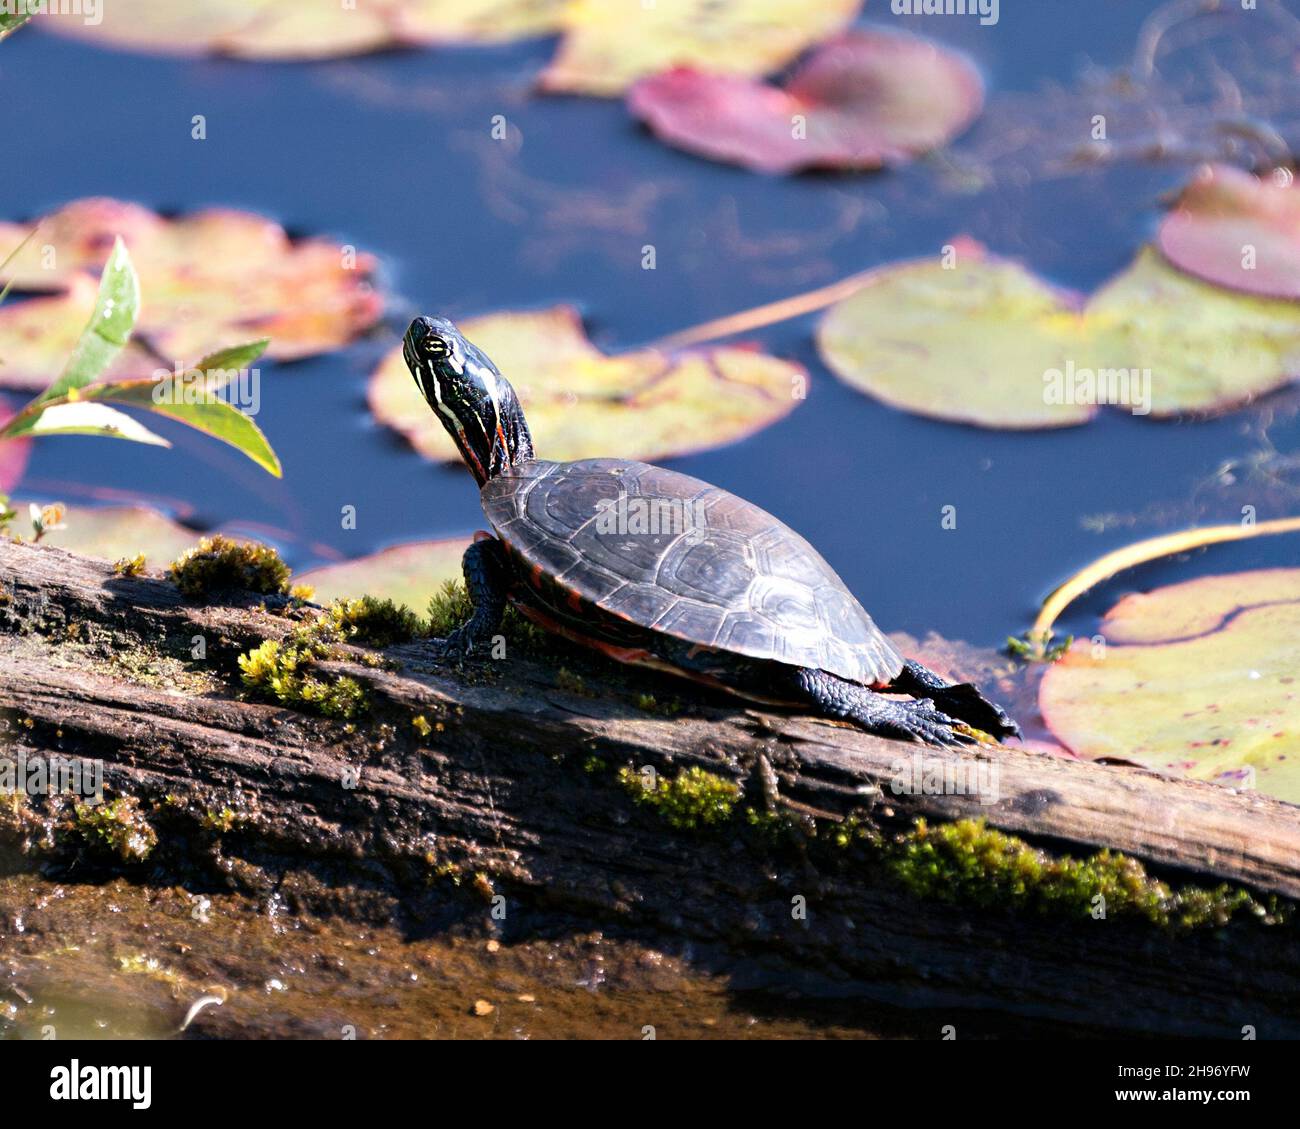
x=678 y=556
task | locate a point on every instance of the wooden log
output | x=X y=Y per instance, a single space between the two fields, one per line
x=515 y=782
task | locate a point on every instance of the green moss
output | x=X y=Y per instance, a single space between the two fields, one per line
x=220 y=821
x=422 y=726
x=594 y=764
x=693 y=799
x=275 y=670
x=130 y=566
x=218 y=562
x=373 y=622
x=565 y=679
x=119 y=827
x=966 y=861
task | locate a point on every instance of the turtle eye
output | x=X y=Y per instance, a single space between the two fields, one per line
x=435 y=347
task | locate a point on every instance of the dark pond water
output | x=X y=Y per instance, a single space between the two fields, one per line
x=391 y=153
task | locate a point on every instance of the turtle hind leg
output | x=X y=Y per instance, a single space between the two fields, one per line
x=961 y=700
x=487 y=580
x=917 y=720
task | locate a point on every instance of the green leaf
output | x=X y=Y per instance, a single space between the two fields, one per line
x=211 y=415
x=9 y=258
x=109 y=327
x=12 y=21
x=83 y=418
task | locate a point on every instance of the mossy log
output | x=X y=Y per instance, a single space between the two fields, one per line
x=503 y=778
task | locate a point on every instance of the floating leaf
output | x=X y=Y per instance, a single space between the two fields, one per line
x=968 y=344
x=987 y=342
x=209 y=277
x=406 y=574
x=866 y=99
x=1200 y=679
x=608 y=46
x=581 y=403
x=85 y=418
x=1209 y=350
x=307 y=29
x=117 y=532
x=37 y=335
x=1237 y=231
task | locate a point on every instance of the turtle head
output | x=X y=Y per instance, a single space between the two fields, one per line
x=473 y=400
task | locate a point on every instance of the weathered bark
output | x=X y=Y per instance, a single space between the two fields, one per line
x=498 y=786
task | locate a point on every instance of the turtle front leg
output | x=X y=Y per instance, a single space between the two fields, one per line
x=487 y=579
x=961 y=699
x=885 y=717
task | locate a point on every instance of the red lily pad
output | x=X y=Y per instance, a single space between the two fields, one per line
x=207 y=279
x=1237 y=231
x=866 y=99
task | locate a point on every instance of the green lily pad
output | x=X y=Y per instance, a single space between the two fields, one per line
x=207 y=279
x=862 y=100
x=306 y=29
x=1200 y=679
x=581 y=403
x=987 y=342
x=1237 y=231
x=609 y=46
x=968 y=343
x=407 y=574
x=1209 y=350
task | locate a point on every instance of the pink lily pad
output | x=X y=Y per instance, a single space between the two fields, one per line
x=13 y=457
x=1237 y=231
x=863 y=100
x=207 y=279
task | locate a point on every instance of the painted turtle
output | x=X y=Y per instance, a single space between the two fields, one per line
x=660 y=569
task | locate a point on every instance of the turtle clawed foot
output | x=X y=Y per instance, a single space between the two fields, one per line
x=922 y=721
x=966 y=702
x=458 y=645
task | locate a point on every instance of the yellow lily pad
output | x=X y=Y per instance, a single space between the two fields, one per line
x=207 y=279
x=1200 y=679
x=37 y=337
x=117 y=532
x=407 y=574
x=1209 y=349
x=583 y=404
x=609 y=46
x=306 y=29
x=986 y=342
x=968 y=342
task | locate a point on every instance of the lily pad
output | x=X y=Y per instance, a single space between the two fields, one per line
x=968 y=343
x=1209 y=350
x=581 y=403
x=987 y=342
x=407 y=574
x=307 y=29
x=866 y=99
x=609 y=46
x=1237 y=231
x=117 y=532
x=207 y=279
x=1199 y=679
